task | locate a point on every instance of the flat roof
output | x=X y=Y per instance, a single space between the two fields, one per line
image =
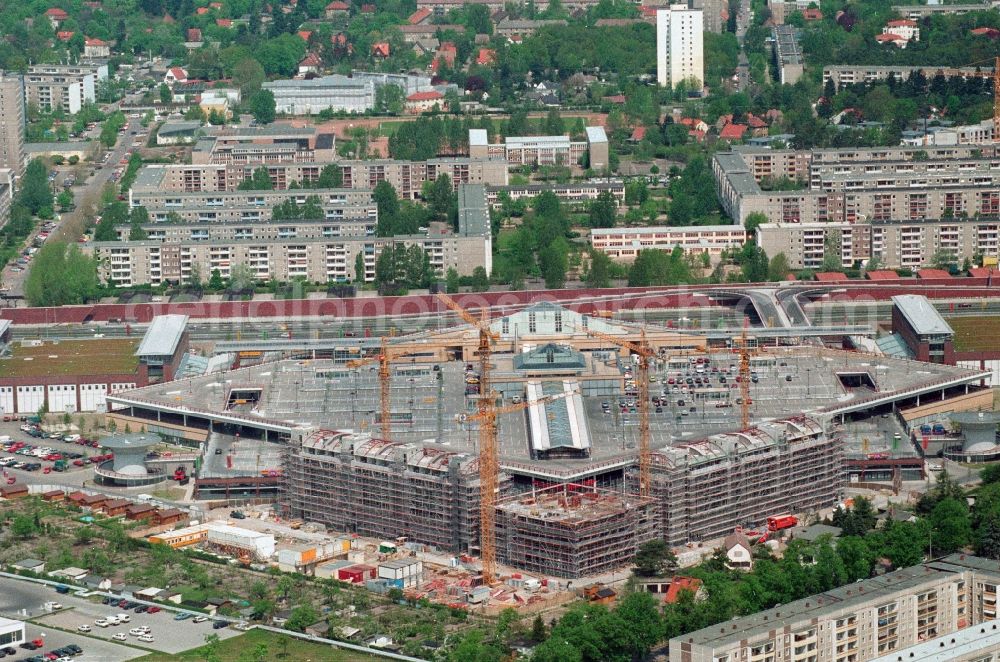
x=163 y=335
x=922 y=316
x=478 y=137
x=98 y=356
x=596 y=134
x=127 y=441
x=984 y=637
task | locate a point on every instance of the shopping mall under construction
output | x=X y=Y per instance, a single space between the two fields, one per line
x=308 y=431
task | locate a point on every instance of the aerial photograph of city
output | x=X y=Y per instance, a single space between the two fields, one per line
x=500 y=330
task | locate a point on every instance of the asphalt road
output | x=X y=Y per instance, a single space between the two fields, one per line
x=13 y=281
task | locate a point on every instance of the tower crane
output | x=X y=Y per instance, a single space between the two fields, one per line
x=489 y=460
x=489 y=483
x=745 y=352
x=387 y=354
x=642 y=380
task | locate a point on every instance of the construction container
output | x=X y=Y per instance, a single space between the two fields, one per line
x=387 y=547
x=259 y=545
x=341 y=546
x=479 y=595
x=356 y=574
x=329 y=570
x=402 y=573
x=357 y=556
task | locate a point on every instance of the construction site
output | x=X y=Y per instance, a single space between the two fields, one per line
x=548 y=440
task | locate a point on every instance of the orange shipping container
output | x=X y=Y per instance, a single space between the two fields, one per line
x=308 y=555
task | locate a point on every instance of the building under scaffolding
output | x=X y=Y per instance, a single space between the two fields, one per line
x=706 y=488
x=573 y=531
x=358 y=484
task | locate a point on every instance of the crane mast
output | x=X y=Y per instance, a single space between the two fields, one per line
x=489 y=461
x=644 y=353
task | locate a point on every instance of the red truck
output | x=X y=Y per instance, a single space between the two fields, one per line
x=781 y=522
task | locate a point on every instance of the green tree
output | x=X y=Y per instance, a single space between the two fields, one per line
x=654 y=559
x=331 y=176
x=387 y=203
x=603 y=211
x=951 y=527
x=259 y=180
x=166 y=96
x=359 y=268
x=61 y=275
x=23 y=527
x=778 y=268
x=248 y=75
x=599 y=273
x=538 y=631
x=35 y=193
x=137 y=218
x=452 y=280
x=553 y=258
x=480 y=280
x=262 y=106
x=439 y=195
x=65 y=200
x=753 y=221
x=215 y=281
x=302 y=617
x=389 y=99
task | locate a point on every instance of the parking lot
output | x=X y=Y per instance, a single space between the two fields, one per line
x=169 y=635
x=18 y=595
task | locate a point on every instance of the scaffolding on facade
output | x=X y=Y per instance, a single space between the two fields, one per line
x=573 y=530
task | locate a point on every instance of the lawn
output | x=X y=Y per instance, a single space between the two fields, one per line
x=975 y=333
x=297 y=650
x=113 y=356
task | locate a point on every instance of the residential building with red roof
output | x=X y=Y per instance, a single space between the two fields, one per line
x=992 y=33
x=65 y=35
x=694 y=124
x=381 y=49
x=419 y=16
x=310 y=64
x=733 y=132
x=336 y=8
x=304 y=35
x=56 y=16
x=96 y=48
x=194 y=35
x=697 y=134
x=905 y=29
x=368 y=9
x=175 y=75
x=224 y=22
x=201 y=11
x=486 y=57
x=422 y=102
x=812 y=14
x=638 y=134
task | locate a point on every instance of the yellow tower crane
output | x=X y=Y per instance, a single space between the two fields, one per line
x=745 y=351
x=489 y=460
x=387 y=354
x=487 y=419
x=642 y=382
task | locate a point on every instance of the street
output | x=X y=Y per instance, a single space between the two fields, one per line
x=13 y=281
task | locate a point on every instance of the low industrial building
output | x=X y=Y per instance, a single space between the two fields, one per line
x=920 y=326
x=927 y=606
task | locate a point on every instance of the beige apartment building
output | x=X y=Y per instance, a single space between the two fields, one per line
x=849 y=74
x=407 y=177
x=317 y=250
x=860 y=622
x=624 y=244
x=897 y=244
x=849 y=185
x=68 y=87
x=11 y=124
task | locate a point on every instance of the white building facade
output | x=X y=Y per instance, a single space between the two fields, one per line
x=679 y=50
